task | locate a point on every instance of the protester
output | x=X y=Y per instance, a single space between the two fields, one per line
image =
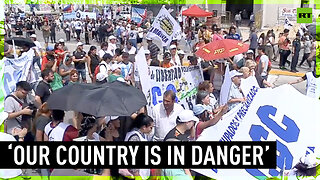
x=50 y=56
x=38 y=49
x=208 y=87
x=44 y=89
x=153 y=48
x=233 y=34
x=79 y=59
x=65 y=69
x=312 y=84
x=57 y=130
x=284 y=49
x=263 y=63
x=165 y=114
x=141 y=127
x=115 y=74
x=235 y=95
x=111 y=132
x=112 y=46
x=17 y=106
x=296 y=47
x=201 y=111
x=104 y=68
x=104 y=49
x=270 y=41
x=46 y=33
x=93 y=62
x=307 y=50
x=127 y=68
x=58 y=50
x=175 y=60
x=74 y=76
x=53 y=27
x=184 y=130
x=43 y=117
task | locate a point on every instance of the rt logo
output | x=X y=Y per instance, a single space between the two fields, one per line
x=304 y=15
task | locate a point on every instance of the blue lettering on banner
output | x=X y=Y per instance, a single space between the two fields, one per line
x=233 y=126
x=156 y=91
x=289 y=134
x=158 y=32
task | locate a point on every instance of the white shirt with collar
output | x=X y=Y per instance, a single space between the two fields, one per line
x=164 y=123
x=234 y=93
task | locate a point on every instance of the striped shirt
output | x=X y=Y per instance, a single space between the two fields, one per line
x=154 y=50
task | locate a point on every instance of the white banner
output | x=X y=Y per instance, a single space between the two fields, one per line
x=182 y=80
x=15 y=70
x=164 y=28
x=79 y=14
x=283 y=115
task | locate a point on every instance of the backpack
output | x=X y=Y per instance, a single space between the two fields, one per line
x=97 y=70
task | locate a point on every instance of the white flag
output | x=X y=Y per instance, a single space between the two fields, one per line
x=164 y=28
x=225 y=88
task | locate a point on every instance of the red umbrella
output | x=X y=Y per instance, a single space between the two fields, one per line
x=221 y=49
x=195 y=11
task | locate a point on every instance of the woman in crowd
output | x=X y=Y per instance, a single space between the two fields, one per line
x=93 y=62
x=58 y=50
x=140 y=128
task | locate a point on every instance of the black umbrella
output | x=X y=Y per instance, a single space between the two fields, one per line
x=109 y=99
x=21 y=41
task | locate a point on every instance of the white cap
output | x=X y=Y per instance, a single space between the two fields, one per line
x=114 y=67
x=173 y=46
x=234 y=73
x=112 y=37
x=79 y=44
x=101 y=76
x=181 y=52
x=121 y=79
x=250 y=51
x=3 y=116
x=186 y=116
x=61 y=40
x=149 y=39
x=33 y=36
x=146 y=51
x=110 y=118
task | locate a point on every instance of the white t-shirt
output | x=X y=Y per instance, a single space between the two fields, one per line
x=112 y=48
x=78 y=25
x=131 y=51
x=38 y=47
x=95 y=136
x=133 y=34
x=264 y=59
x=164 y=123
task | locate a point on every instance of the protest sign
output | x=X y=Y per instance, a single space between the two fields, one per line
x=138 y=14
x=13 y=71
x=269 y=115
x=182 y=80
x=164 y=28
x=79 y=14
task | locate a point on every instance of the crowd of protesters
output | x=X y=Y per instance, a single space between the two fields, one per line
x=29 y=118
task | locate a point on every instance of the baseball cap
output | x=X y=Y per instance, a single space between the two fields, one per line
x=198 y=109
x=235 y=73
x=101 y=76
x=181 y=52
x=146 y=51
x=112 y=37
x=33 y=36
x=50 y=48
x=3 y=116
x=186 y=116
x=114 y=67
x=173 y=46
x=110 y=118
x=61 y=40
x=79 y=44
x=149 y=39
x=250 y=51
